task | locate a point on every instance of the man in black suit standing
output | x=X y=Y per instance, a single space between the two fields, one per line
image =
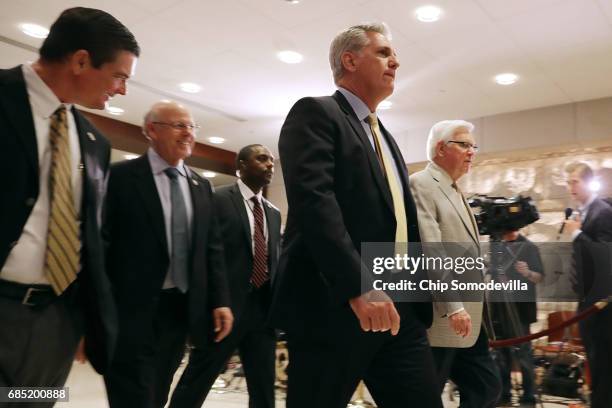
x=164 y=259
x=250 y=228
x=53 y=172
x=592 y=243
x=347 y=184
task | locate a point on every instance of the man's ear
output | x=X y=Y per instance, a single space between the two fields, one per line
x=440 y=148
x=80 y=61
x=349 y=61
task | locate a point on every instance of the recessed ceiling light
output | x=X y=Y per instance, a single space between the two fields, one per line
x=292 y=1
x=507 y=78
x=594 y=185
x=190 y=87
x=385 y=105
x=114 y=110
x=209 y=174
x=216 y=140
x=290 y=57
x=130 y=156
x=428 y=14
x=34 y=30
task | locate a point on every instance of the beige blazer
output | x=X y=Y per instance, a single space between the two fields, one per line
x=444 y=217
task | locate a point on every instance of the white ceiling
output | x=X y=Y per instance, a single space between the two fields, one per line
x=561 y=49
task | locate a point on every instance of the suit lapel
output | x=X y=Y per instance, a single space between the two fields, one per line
x=461 y=212
x=238 y=202
x=198 y=202
x=273 y=236
x=150 y=197
x=372 y=158
x=16 y=103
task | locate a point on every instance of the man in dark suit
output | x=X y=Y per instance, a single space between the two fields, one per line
x=53 y=171
x=347 y=184
x=164 y=259
x=250 y=228
x=592 y=243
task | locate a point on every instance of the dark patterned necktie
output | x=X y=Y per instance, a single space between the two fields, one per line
x=63 y=244
x=179 y=259
x=260 y=256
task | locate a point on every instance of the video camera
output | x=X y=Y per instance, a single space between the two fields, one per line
x=495 y=215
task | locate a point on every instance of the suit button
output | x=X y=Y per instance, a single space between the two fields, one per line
x=30 y=202
x=12 y=244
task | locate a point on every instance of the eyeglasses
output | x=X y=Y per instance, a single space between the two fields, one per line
x=465 y=145
x=179 y=126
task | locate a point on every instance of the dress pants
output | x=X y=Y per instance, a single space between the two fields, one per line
x=398 y=370
x=141 y=373
x=37 y=345
x=596 y=333
x=256 y=344
x=473 y=370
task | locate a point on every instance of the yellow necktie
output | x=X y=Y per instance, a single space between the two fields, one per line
x=63 y=244
x=401 y=229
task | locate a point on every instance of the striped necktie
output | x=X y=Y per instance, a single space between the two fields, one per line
x=63 y=244
x=401 y=228
x=260 y=256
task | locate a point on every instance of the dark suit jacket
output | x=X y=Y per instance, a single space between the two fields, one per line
x=137 y=253
x=19 y=172
x=592 y=256
x=237 y=241
x=338 y=198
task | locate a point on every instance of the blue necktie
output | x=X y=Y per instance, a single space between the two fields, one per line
x=179 y=259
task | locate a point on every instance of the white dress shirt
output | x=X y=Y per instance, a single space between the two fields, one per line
x=26 y=261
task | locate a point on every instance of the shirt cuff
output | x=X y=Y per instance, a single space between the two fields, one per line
x=575 y=234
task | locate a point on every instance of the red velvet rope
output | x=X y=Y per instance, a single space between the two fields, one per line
x=582 y=315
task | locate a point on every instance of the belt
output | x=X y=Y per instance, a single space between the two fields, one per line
x=27 y=294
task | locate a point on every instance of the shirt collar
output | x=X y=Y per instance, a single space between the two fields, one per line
x=158 y=164
x=586 y=206
x=44 y=102
x=246 y=191
x=359 y=107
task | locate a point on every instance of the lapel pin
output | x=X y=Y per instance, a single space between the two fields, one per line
x=195 y=183
x=91 y=136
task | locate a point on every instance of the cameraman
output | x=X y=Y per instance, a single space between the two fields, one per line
x=516 y=258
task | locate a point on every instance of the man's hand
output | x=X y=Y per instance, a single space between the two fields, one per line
x=223 y=321
x=573 y=225
x=522 y=268
x=80 y=355
x=461 y=323
x=376 y=312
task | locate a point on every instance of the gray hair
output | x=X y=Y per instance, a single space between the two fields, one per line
x=444 y=131
x=352 y=39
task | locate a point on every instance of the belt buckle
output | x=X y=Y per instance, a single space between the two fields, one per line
x=28 y=295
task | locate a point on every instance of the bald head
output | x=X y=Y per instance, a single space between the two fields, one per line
x=170 y=129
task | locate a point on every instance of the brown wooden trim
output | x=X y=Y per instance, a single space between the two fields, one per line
x=128 y=137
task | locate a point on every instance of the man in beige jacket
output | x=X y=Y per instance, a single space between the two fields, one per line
x=448 y=229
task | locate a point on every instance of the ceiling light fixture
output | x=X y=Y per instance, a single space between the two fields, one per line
x=209 y=174
x=114 y=110
x=130 y=156
x=34 y=30
x=428 y=14
x=190 y=87
x=507 y=78
x=216 y=140
x=384 y=105
x=594 y=186
x=292 y=1
x=290 y=57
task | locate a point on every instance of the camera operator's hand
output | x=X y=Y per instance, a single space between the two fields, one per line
x=522 y=268
x=573 y=225
x=376 y=312
x=461 y=323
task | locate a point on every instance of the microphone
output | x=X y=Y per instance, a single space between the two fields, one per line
x=568 y=213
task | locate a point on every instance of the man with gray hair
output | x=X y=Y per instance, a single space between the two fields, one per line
x=346 y=185
x=448 y=228
x=164 y=259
